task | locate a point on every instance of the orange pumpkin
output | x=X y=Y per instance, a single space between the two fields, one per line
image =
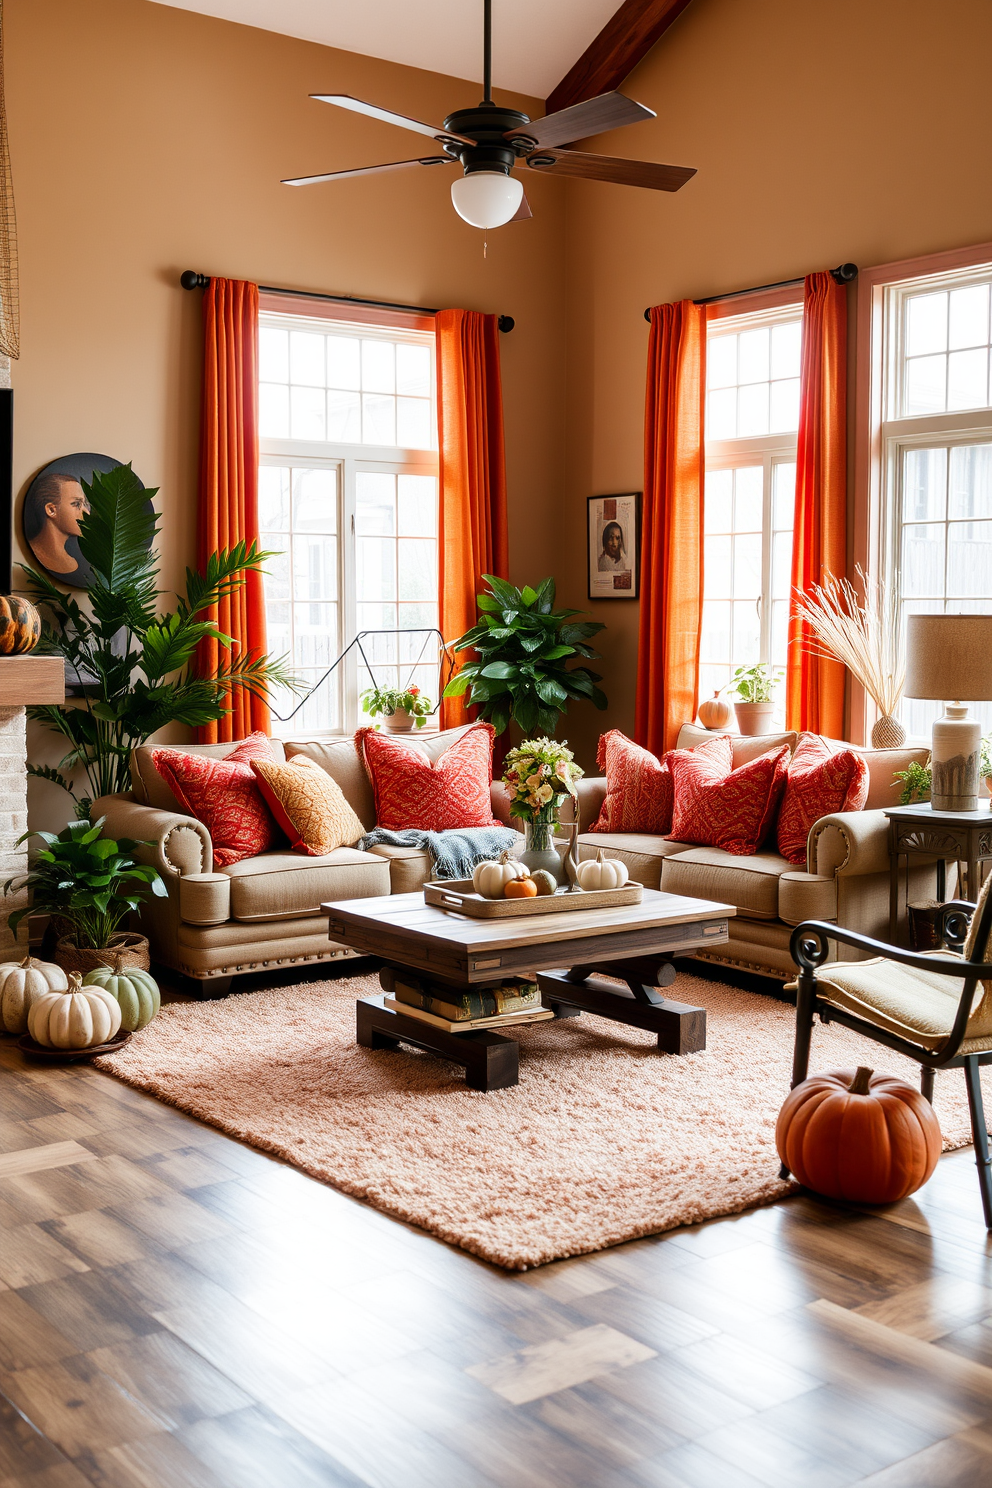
x=856 y=1135
x=714 y=713
x=20 y=625
x=520 y=888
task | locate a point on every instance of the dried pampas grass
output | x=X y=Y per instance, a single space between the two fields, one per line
x=866 y=635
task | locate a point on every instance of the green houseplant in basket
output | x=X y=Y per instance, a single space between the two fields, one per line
x=524 y=649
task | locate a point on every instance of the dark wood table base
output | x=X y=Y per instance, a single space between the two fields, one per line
x=491 y=1058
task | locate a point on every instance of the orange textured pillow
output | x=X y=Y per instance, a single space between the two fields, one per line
x=819 y=781
x=442 y=796
x=638 y=787
x=309 y=806
x=222 y=794
x=717 y=806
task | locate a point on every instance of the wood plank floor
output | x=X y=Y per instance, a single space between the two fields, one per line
x=180 y=1311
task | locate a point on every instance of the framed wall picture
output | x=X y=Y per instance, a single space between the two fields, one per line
x=614 y=545
x=54 y=505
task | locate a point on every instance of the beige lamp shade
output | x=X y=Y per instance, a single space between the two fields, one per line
x=949 y=657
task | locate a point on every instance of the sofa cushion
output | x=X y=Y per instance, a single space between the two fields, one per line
x=224 y=796
x=147 y=785
x=337 y=757
x=751 y=883
x=638 y=787
x=717 y=806
x=820 y=780
x=744 y=747
x=309 y=806
x=443 y=794
x=284 y=885
x=883 y=764
x=806 y=896
x=643 y=852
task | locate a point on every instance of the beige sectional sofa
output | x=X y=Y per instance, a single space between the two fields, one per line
x=846 y=877
x=263 y=912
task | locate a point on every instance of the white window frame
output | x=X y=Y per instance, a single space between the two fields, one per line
x=348 y=460
x=897 y=433
x=766 y=450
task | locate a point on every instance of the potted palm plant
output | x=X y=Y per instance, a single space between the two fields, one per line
x=136 y=660
x=89 y=885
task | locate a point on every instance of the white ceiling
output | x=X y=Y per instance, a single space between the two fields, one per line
x=535 y=42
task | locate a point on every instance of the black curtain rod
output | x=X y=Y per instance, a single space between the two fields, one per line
x=842 y=274
x=190 y=279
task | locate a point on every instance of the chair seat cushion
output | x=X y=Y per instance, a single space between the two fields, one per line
x=284 y=885
x=643 y=852
x=751 y=884
x=915 y=1004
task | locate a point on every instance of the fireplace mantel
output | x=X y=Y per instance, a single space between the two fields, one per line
x=23 y=680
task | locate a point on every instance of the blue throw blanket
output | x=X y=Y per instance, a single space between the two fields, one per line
x=453 y=854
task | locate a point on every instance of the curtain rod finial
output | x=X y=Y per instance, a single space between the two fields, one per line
x=844 y=273
x=506 y=322
x=190 y=279
x=647 y=316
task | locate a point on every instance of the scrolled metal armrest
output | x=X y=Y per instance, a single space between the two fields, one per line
x=955 y=922
x=809 y=948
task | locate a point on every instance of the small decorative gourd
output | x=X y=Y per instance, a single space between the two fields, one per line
x=20 y=983
x=20 y=625
x=76 y=1019
x=545 y=881
x=871 y=1139
x=490 y=879
x=135 y=990
x=520 y=888
x=601 y=873
x=714 y=713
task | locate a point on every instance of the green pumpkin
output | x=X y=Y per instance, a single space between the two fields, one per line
x=546 y=884
x=135 y=990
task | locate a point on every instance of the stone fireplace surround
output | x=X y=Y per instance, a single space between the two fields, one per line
x=23 y=680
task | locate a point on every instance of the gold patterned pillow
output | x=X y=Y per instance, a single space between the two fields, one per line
x=309 y=806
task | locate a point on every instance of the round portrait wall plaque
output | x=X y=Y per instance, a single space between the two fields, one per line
x=54 y=505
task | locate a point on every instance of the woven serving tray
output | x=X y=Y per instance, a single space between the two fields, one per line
x=458 y=894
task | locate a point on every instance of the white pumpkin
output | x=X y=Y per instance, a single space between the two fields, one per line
x=601 y=873
x=76 y=1019
x=20 y=983
x=490 y=879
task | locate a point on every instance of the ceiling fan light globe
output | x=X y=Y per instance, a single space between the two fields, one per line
x=486 y=198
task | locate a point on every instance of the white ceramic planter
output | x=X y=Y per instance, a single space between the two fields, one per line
x=399 y=721
x=754 y=718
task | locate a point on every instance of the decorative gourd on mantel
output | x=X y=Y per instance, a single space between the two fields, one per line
x=21 y=982
x=601 y=872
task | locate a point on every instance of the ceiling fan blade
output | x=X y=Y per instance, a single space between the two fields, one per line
x=368 y=170
x=595 y=116
x=608 y=168
x=523 y=212
x=372 y=110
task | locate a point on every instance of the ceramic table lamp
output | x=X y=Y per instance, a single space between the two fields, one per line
x=950 y=657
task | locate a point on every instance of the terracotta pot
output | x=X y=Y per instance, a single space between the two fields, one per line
x=125 y=949
x=754 y=718
x=399 y=721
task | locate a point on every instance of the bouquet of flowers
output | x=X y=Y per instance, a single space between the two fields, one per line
x=539 y=773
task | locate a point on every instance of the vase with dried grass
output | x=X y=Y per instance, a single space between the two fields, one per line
x=866 y=635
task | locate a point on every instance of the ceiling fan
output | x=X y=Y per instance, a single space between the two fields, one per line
x=488 y=141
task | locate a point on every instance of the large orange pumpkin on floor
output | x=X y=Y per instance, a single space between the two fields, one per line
x=20 y=625
x=856 y=1135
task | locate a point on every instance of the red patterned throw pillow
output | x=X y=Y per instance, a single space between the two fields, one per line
x=718 y=806
x=411 y=791
x=224 y=795
x=638 y=787
x=819 y=781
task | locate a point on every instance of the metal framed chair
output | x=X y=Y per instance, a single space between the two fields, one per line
x=908 y=1001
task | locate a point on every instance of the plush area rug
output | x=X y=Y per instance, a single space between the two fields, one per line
x=603 y=1139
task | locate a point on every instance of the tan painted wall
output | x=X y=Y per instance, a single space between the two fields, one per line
x=823 y=132
x=147 y=140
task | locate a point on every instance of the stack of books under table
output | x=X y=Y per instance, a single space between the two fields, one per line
x=515 y=1000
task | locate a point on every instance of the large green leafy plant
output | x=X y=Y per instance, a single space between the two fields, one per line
x=136 y=664
x=524 y=648
x=90 y=882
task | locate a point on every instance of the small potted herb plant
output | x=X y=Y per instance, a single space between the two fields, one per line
x=89 y=884
x=402 y=708
x=754 y=701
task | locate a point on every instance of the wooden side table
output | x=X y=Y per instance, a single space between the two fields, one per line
x=949 y=836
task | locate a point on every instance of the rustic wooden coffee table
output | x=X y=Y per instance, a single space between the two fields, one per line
x=635 y=943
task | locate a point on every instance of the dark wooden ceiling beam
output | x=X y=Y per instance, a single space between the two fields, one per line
x=628 y=36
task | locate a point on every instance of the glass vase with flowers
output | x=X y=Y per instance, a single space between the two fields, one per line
x=539 y=774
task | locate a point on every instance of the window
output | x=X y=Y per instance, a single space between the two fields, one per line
x=752 y=418
x=348 y=500
x=936 y=476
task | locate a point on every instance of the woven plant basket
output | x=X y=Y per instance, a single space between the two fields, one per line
x=124 y=950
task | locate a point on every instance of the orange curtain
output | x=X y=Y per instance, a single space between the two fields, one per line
x=672 y=526
x=815 y=684
x=228 y=511
x=472 y=486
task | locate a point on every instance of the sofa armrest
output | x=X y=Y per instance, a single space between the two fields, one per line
x=591 y=793
x=500 y=797
x=849 y=843
x=179 y=844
